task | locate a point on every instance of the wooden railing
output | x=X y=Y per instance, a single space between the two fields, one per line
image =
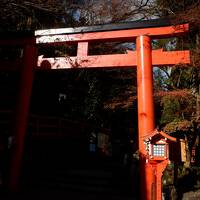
x=50 y=126
x=45 y=125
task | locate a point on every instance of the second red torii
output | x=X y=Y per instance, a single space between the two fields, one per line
x=143 y=58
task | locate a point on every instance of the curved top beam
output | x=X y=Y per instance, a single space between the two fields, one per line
x=114 y=35
x=127 y=31
x=110 y=27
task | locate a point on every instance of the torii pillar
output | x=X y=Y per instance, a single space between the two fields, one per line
x=145 y=109
x=21 y=112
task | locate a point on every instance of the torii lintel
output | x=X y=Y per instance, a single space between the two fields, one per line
x=159 y=58
x=84 y=36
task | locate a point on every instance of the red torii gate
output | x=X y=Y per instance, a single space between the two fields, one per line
x=143 y=58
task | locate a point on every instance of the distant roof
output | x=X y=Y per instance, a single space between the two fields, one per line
x=109 y=27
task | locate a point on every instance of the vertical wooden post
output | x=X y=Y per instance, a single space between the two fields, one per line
x=160 y=167
x=22 y=109
x=158 y=185
x=82 y=49
x=145 y=110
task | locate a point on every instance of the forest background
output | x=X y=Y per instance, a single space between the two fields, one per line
x=108 y=98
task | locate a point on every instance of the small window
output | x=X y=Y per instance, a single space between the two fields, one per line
x=159 y=150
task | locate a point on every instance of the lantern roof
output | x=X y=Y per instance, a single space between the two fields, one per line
x=157 y=135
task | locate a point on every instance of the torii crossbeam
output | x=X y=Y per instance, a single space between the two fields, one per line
x=104 y=34
x=141 y=32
